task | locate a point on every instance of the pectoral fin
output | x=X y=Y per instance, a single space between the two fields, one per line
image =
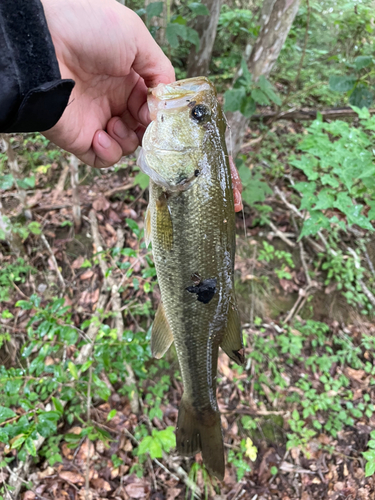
x=164 y=226
x=148 y=226
x=161 y=336
x=232 y=343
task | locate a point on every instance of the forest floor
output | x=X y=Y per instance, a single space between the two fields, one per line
x=308 y=381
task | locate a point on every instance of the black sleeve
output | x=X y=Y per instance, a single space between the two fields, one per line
x=32 y=94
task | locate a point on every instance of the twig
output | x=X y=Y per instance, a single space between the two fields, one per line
x=302 y=253
x=74 y=179
x=280 y=234
x=302 y=295
x=53 y=258
x=369 y=261
x=118 y=189
x=88 y=406
x=365 y=290
x=61 y=182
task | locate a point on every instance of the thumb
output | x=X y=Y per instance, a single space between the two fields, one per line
x=150 y=62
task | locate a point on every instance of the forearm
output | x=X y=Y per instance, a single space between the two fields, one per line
x=32 y=94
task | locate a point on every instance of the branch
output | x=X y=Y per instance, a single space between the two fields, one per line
x=307 y=114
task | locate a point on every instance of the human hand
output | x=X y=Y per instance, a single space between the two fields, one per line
x=108 y=51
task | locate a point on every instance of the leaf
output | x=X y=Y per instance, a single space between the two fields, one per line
x=154 y=9
x=246 y=75
x=233 y=99
x=155 y=450
x=172 y=32
x=315 y=223
x=6 y=181
x=324 y=200
x=27 y=182
x=341 y=83
x=361 y=97
x=58 y=406
x=198 y=9
x=193 y=37
x=73 y=370
x=6 y=413
x=267 y=88
x=362 y=62
x=144 y=445
x=34 y=227
x=111 y=414
x=248 y=106
x=30 y=447
x=251 y=450
x=370 y=468
x=362 y=113
x=167 y=438
x=259 y=97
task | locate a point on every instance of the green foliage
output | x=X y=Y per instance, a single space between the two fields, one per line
x=269 y=254
x=255 y=189
x=246 y=93
x=370 y=456
x=14 y=272
x=358 y=85
x=326 y=404
x=338 y=162
x=158 y=442
x=239 y=461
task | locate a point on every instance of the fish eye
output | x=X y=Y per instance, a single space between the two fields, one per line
x=200 y=113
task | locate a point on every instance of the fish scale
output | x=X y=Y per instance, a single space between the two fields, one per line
x=192 y=229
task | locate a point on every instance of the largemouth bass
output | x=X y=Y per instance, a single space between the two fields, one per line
x=190 y=221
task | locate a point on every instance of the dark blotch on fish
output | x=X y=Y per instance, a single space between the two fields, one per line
x=205 y=290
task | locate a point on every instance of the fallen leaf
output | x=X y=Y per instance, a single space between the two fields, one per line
x=101 y=204
x=251 y=450
x=135 y=490
x=173 y=493
x=71 y=477
x=86 y=275
x=29 y=495
x=76 y=264
x=355 y=374
x=101 y=485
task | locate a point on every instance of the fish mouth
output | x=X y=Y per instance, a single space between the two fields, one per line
x=177 y=94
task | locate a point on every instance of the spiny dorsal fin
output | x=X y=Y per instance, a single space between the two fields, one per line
x=232 y=343
x=161 y=336
x=164 y=227
x=148 y=226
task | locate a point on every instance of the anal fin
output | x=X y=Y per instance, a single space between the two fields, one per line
x=161 y=336
x=232 y=343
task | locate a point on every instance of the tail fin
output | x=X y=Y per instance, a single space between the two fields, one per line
x=194 y=434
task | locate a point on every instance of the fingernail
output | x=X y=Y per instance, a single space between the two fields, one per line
x=104 y=140
x=120 y=130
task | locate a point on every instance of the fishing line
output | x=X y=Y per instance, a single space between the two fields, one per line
x=231 y=154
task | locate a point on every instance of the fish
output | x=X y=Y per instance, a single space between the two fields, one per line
x=190 y=221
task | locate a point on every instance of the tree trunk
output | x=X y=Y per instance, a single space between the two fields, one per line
x=263 y=56
x=198 y=61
